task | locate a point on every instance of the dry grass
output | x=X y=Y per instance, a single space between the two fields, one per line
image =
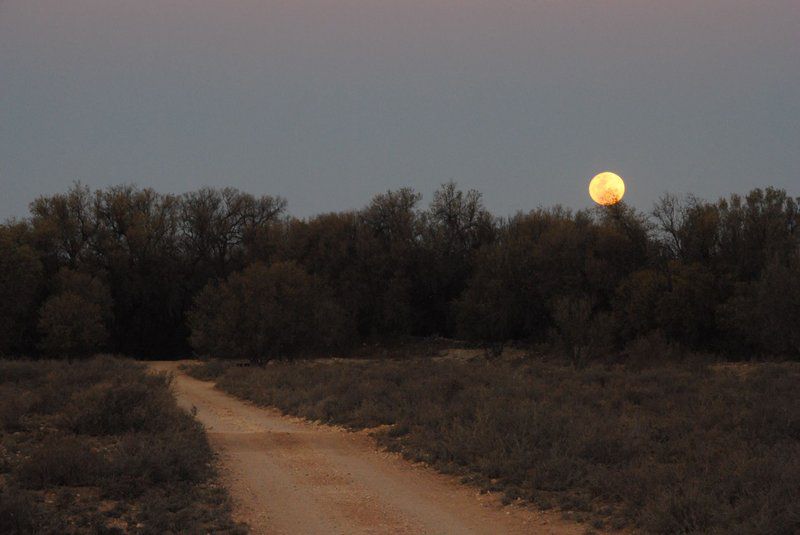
x=101 y=447
x=674 y=449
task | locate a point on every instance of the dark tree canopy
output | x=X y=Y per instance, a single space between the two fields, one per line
x=266 y=312
x=144 y=273
x=21 y=285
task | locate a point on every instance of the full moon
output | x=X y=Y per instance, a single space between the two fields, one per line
x=606 y=188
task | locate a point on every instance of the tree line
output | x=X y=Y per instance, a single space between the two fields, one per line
x=225 y=273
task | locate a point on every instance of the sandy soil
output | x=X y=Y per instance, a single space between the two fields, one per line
x=287 y=475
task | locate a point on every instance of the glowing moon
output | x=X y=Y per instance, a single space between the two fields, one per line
x=606 y=189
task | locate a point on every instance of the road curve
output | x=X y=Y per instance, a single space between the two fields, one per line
x=291 y=476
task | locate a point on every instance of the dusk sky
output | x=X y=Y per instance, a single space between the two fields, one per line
x=329 y=102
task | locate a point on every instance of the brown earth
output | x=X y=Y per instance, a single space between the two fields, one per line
x=288 y=475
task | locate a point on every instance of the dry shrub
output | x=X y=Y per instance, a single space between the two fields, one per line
x=207 y=370
x=173 y=512
x=18 y=371
x=652 y=349
x=142 y=462
x=121 y=406
x=61 y=460
x=666 y=449
x=14 y=404
x=19 y=511
x=110 y=429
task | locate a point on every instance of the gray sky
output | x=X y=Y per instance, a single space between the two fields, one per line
x=327 y=102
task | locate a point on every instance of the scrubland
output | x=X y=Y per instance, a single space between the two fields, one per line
x=659 y=444
x=678 y=448
x=100 y=446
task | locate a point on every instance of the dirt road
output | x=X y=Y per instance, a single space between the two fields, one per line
x=291 y=476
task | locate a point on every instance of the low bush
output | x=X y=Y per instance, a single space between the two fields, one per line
x=19 y=511
x=666 y=449
x=100 y=446
x=171 y=513
x=121 y=406
x=207 y=370
x=14 y=403
x=63 y=460
x=18 y=372
x=140 y=462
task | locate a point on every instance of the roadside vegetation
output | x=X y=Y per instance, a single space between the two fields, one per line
x=672 y=448
x=625 y=425
x=100 y=446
